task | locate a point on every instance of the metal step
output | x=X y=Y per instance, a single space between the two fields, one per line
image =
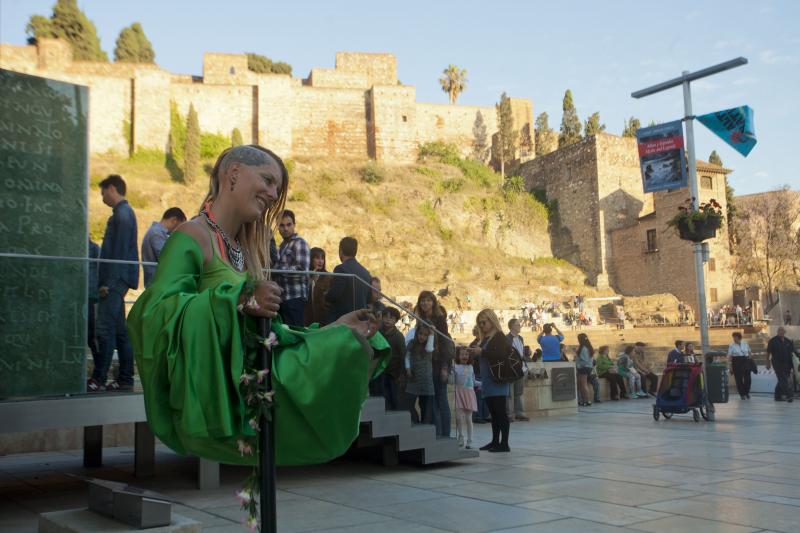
x=416 y=442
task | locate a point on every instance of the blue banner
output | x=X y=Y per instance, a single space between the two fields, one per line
x=734 y=126
x=661 y=156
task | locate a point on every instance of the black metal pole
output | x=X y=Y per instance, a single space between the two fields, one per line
x=266 y=441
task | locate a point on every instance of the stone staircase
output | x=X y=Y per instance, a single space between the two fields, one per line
x=400 y=439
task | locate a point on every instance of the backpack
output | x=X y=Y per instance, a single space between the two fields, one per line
x=507 y=369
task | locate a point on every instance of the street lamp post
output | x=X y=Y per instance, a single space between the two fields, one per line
x=685 y=80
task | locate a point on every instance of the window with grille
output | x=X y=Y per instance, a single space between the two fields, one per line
x=713 y=294
x=652 y=241
x=712 y=265
x=706 y=182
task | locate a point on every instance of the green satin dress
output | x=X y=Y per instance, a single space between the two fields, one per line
x=190 y=346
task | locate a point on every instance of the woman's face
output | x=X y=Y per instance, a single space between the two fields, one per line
x=485 y=325
x=318 y=262
x=426 y=304
x=257 y=188
x=422 y=335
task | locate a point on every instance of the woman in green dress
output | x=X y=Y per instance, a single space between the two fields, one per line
x=193 y=332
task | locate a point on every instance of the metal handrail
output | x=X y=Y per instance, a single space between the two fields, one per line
x=271 y=271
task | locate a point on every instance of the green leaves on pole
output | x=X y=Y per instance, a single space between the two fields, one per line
x=453 y=82
x=133 y=46
x=68 y=22
x=191 y=151
x=570 y=123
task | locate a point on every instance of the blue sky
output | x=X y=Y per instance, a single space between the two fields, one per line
x=529 y=49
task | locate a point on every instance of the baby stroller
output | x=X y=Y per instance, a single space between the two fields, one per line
x=681 y=390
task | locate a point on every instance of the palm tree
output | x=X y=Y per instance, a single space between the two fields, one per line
x=453 y=82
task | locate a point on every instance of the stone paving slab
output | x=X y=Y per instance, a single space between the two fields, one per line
x=608 y=468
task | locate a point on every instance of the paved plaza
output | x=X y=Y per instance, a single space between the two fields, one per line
x=609 y=468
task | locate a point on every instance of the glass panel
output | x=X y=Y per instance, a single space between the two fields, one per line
x=43 y=191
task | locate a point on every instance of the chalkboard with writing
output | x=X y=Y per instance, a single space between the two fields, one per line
x=43 y=211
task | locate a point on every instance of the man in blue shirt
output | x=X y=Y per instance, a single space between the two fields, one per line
x=119 y=242
x=156 y=237
x=676 y=355
x=551 y=344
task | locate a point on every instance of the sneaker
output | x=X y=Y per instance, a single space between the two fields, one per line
x=92 y=385
x=116 y=386
x=460 y=442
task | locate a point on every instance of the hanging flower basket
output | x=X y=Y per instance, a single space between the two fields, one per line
x=698 y=225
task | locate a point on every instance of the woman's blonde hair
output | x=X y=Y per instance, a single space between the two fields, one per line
x=254 y=236
x=489 y=315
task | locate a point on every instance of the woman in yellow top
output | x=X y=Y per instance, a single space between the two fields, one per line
x=194 y=333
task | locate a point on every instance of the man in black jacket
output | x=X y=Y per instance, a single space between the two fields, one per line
x=347 y=294
x=394 y=377
x=780 y=351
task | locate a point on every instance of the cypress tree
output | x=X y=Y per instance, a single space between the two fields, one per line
x=133 y=46
x=593 y=125
x=236 y=138
x=191 y=151
x=479 y=137
x=543 y=134
x=177 y=133
x=68 y=22
x=506 y=134
x=570 y=123
x=714 y=158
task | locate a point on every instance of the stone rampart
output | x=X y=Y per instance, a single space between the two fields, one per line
x=453 y=124
x=356 y=110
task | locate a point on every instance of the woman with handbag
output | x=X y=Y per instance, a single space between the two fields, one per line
x=493 y=346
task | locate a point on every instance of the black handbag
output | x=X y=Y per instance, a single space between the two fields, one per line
x=507 y=369
x=753 y=366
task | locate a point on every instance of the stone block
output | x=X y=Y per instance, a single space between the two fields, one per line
x=83 y=520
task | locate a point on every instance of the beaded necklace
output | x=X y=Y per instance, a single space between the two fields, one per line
x=234 y=254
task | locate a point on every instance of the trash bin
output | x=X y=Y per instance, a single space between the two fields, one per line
x=717 y=385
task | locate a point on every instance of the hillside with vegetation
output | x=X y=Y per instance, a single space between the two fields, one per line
x=442 y=223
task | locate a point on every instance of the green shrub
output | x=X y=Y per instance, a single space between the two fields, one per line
x=357 y=195
x=192 y=148
x=446 y=233
x=427 y=171
x=427 y=211
x=299 y=196
x=213 y=144
x=97 y=228
x=550 y=261
x=450 y=185
x=444 y=152
x=477 y=172
x=514 y=185
x=137 y=199
x=148 y=156
x=373 y=173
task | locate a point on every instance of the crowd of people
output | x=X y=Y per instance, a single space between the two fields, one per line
x=424 y=358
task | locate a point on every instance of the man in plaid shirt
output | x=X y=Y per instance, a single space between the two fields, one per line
x=293 y=254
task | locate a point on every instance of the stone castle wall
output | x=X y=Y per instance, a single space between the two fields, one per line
x=355 y=110
x=670 y=266
x=568 y=177
x=603 y=215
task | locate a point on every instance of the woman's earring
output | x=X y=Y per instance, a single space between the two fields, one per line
x=233 y=182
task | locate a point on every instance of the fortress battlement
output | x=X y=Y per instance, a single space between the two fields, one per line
x=357 y=109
